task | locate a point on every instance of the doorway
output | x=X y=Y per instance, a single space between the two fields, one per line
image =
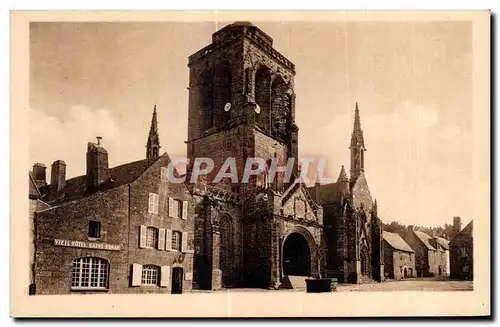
x=296 y=256
x=440 y=271
x=406 y=273
x=177 y=277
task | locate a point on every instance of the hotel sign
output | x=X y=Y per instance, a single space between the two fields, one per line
x=87 y=245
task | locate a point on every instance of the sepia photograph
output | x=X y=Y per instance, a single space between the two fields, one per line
x=241 y=160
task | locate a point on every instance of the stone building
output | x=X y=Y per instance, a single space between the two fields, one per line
x=462 y=254
x=36 y=180
x=129 y=229
x=242 y=105
x=352 y=228
x=125 y=229
x=430 y=253
x=399 y=257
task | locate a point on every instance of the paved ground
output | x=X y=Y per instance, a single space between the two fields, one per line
x=414 y=284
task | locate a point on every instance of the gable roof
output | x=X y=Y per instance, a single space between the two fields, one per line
x=396 y=241
x=74 y=188
x=443 y=242
x=34 y=192
x=467 y=230
x=424 y=238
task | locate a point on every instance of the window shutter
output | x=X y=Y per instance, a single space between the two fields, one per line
x=170 y=207
x=184 y=242
x=168 y=245
x=136 y=274
x=161 y=239
x=142 y=237
x=184 y=209
x=165 y=276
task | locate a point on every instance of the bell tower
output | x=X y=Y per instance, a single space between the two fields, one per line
x=241 y=100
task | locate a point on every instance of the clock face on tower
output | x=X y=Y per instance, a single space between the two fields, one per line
x=227 y=107
x=257 y=108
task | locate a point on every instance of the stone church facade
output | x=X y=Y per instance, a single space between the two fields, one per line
x=352 y=229
x=242 y=105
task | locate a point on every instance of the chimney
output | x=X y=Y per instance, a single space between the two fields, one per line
x=97 y=165
x=457 y=225
x=57 y=176
x=39 y=173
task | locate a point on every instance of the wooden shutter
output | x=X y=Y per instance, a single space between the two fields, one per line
x=170 y=207
x=184 y=209
x=168 y=243
x=161 y=239
x=150 y=203
x=184 y=240
x=142 y=236
x=136 y=274
x=165 y=276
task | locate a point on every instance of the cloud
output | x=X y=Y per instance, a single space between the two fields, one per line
x=417 y=168
x=52 y=138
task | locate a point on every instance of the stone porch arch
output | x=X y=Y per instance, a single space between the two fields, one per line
x=313 y=249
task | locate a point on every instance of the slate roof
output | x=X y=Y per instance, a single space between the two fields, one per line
x=396 y=242
x=444 y=243
x=74 y=188
x=34 y=192
x=325 y=194
x=425 y=238
x=467 y=230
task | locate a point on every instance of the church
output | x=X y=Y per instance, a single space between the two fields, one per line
x=138 y=229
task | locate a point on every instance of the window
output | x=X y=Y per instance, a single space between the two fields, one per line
x=94 y=229
x=463 y=251
x=176 y=240
x=151 y=237
x=149 y=275
x=90 y=273
x=411 y=257
x=153 y=203
x=175 y=208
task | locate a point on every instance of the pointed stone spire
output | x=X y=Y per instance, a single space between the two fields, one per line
x=357 y=148
x=154 y=122
x=342 y=175
x=357 y=132
x=153 y=145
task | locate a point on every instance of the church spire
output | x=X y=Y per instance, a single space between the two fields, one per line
x=357 y=147
x=153 y=146
x=342 y=175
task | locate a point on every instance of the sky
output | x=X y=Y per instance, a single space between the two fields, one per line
x=412 y=81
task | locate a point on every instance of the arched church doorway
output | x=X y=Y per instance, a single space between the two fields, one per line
x=296 y=256
x=440 y=271
x=226 y=255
